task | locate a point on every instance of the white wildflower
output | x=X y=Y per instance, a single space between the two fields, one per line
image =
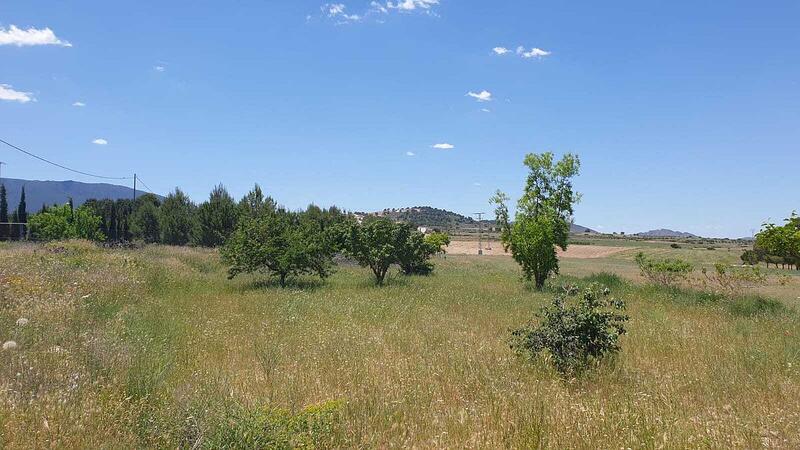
x=9 y=345
x=21 y=322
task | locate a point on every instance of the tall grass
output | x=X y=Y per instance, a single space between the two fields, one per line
x=166 y=352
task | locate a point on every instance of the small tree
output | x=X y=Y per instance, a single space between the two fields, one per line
x=414 y=253
x=176 y=218
x=574 y=335
x=281 y=244
x=439 y=240
x=216 y=219
x=375 y=244
x=543 y=215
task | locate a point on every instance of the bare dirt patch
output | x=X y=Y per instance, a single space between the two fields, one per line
x=495 y=248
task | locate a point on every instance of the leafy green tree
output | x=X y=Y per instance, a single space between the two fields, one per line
x=254 y=204
x=439 y=240
x=3 y=204
x=176 y=218
x=414 y=252
x=215 y=219
x=544 y=213
x=144 y=220
x=62 y=222
x=375 y=244
x=22 y=208
x=281 y=244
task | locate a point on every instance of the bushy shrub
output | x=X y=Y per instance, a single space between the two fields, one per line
x=666 y=272
x=574 y=335
x=674 y=245
x=733 y=280
x=439 y=240
x=414 y=254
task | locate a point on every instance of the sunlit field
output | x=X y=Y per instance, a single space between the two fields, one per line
x=155 y=347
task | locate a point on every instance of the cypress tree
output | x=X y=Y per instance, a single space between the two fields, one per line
x=22 y=209
x=3 y=204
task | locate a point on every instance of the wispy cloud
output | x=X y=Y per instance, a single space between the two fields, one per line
x=486 y=110
x=159 y=68
x=501 y=50
x=443 y=146
x=376 y=10
x=79 y=104
x=31 y=36
x=482 y=96
x=9 y=94
x=338 y=12
x=533 y=53
x=100 y=141
x=410 y=154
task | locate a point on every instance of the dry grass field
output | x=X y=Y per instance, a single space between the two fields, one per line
x=156 y=348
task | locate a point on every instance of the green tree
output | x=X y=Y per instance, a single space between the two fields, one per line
x=281 y=244
x=176 y=218
x=62 y=222
x=544 y=213
x=144 y=220
x=375 y=244
x=413 y=251
x=3 y=204
x=439 y=240
x=22 y=208
x=254 y=204
x=216 y=219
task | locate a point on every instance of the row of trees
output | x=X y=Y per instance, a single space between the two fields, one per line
x=779 y=245
x=286 y=244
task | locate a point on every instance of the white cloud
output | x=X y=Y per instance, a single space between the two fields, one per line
x=100 y=141
x=410 y=154
x=476 y=184
x=31 y=36
x=9 y=94
x=159 y=68
x=79 y=104
x=483 y=96
x=410 y=5
x=377 y=7
x=533 y=53
x=486 y=110
x=443 y=146
x=500 y=50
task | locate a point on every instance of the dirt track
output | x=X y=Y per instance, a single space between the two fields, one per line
x=573 y=251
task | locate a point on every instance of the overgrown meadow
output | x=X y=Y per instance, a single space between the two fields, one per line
x=155 y=347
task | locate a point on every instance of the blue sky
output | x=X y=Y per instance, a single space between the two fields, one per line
x=685 y=114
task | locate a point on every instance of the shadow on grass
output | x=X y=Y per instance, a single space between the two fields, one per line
x=301 y=283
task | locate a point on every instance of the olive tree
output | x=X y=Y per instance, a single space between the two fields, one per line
x=543 y=215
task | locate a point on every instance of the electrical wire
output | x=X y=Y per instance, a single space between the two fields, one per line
x=62 y=166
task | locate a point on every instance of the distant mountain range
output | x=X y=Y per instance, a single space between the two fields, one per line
x=428 y=216
x=38 y=193
x=664 y=233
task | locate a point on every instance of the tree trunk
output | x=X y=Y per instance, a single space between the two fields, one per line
x=283 y=280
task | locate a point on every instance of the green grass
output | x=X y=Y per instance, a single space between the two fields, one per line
x=166 y=352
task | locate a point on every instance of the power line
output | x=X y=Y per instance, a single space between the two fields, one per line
x=139 y=179
x=62 y=166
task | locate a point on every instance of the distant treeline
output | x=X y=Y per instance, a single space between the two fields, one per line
x=17 y=216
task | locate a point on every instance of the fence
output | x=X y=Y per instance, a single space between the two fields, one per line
x=13 y=231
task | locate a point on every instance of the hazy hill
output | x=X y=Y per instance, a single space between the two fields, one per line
x=38 y=193
x=440 y=218
x=665 y=233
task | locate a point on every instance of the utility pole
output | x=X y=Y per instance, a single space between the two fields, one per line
x=134 y=187
x=480 y=232
x=1 y=171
